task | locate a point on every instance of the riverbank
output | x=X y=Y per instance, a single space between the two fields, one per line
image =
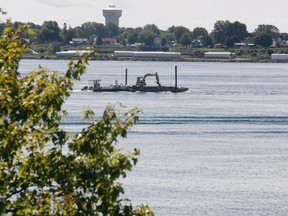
x=254 y=55
x=180 y=59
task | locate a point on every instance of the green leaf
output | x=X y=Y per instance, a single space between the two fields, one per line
x=44 y=170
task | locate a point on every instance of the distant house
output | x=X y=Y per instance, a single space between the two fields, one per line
x=197 y=44
x=280 y=42
x=78 y=41
x=108 y=41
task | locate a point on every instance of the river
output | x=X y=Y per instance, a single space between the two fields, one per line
x=221 y=148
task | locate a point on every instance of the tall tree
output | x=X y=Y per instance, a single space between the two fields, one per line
x=153 y=28
x=263 y=39
x=199 y=32
x=186 y=39
x=132 y=36
x=49 y=31
x=91 y=28
x=179 y=31
x=64 y=34
x=147 y=37
x=237 y=30
x=219 y=31
x=264 y=32
x=207 y=41
x=36 y=176
x=270 y=29
x=228 y=33
x=111 y=30
x=99 y=41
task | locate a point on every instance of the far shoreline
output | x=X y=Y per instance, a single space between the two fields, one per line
x=181 y=59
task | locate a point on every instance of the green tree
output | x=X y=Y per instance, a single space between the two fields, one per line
x=90 y=28
x=129 y=35
x=78 y=32
x=228 y=33
x=206 y=41
x=36 y=177
x=263 y=39
x=179 y=31
x=219 y=31
x=133 y=35
x=67 y=34
x=269 y=29
x=99 y=41
x=231 y=40
x=111 y=30
x=49 y=32
x=186 y=39
x=164 y=41
x=153 y=28
x=238 y=31
x=284 y=36
x=199 y=32
x=263 y=33
x=168 y=36
x=2 y=27
x=147 y=37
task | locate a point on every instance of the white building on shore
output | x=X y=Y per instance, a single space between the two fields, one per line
x=219 y=55
x=146 y=54
x=72 y=53
x=279 y=56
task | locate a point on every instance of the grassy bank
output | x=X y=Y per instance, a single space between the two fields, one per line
x=46 y=51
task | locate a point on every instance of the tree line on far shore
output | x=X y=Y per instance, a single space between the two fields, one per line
x=224 y=33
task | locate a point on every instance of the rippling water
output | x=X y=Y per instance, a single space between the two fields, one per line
x=219 y=149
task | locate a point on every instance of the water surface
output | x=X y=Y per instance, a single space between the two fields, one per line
x=218 y=149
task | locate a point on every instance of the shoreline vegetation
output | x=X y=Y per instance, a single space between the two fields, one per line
x=46 y=40
x=187 y=55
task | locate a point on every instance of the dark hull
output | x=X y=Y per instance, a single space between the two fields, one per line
x=158 y=89
x=107 y=89
x=142 y=89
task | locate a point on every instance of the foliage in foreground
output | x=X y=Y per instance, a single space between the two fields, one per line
x=36 y=177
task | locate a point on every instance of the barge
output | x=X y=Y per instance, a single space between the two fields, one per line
x=140 y=85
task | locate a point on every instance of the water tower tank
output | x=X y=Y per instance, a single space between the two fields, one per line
x=112 y=15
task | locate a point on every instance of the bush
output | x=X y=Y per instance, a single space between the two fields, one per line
x=36 y=177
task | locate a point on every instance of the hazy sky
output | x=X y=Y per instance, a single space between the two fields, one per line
x=163 y=13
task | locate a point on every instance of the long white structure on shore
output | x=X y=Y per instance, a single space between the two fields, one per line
x=146 y=54
x=219 y=55
x=279 y=56
x=73 y=53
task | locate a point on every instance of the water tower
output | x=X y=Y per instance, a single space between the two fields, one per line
x=112 y=15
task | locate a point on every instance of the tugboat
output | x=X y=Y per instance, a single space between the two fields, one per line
x=140 y=85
